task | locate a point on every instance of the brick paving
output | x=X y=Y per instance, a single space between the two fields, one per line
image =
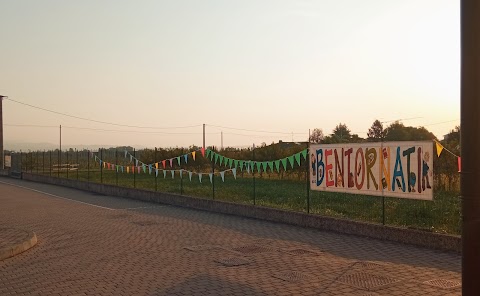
x=127 y=247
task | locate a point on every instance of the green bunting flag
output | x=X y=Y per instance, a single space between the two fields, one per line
x=227 y=161
x=221 y=159
x=144 y=167
x=290 y=160
x=259 y=166
x=211 y=176
x=304 y=154
x=297 y=158
x=265 y=166
x=277 y=165
x=241 y=164
x=222 y=174
x=231 y=162
x=270 y=165
x=284 y=163
x=190 y=176
x=212 y=154
x=164 y=174
x=178 y=160
x=208 y=152
x=216 y=158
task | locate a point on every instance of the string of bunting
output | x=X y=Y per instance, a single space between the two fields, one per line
x=440 y=148
x=143 y=167
x=166 y=161
x=251 y=165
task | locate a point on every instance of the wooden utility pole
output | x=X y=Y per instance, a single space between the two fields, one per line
x=2 y=155
x=470 y=141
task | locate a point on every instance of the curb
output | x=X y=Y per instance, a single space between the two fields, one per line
x=29 y=239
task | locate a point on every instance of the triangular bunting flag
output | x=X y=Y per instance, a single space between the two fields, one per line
x=234 y=171
x=144 y=167
x=122 y=168
x=128 y=169
x=270 y=164
x=164 y=174
x=126 y=153
x=136 y=162
x=181 y=174
x=277 y=165
x=190 y=176
x=284 y=163
x=259 y=166
x=173 y=174
x=241 y=164
x=156 y=165
x=131 y=158
x=459 y=161
x=230 y=162
x=235 y=163
x=133 y=169
x=248 y=168
x=226 y=161
x=264 y=166
x=221 y=159
x=208 y=152
x=304 y=154
x=216 y=157
x=193 y=155
x=222 y=174
x=439 y=148
x=200 y=177
x=203 y=152
x=211 y=177
x=297 y=158
x=212 y=155
x=171 y=162
x=138 y=169
x=291 y=160
x=156 y=172
x=178 y=160
x=163 y=163
x=150 y=169
x=186 y=158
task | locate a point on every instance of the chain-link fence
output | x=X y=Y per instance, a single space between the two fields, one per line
x=228 y=175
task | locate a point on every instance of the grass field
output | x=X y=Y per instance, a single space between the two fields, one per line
x=442 y=215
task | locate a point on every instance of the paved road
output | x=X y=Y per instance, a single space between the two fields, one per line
x=101 y=245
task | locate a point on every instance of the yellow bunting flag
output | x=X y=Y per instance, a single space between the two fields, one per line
x=128 y=169
x=156 y=165
x=439 y=148
x=193 y=155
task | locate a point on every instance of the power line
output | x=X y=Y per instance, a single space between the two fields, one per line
x=98 y=121
x=250 y=130
x=103 y=130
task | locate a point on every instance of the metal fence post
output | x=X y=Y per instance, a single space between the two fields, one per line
x=43 y=165
x=50 y=162
x=116 y=164
x=67 y=165
x=134 y=169
x=307 y=178
x=77 y=163
x=88 y=165
x=101 y=165
x=156 y=176
x=253 y=172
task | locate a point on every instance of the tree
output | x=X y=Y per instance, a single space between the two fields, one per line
x=399 y=132
x=316 y=136
x=342 y=134
x=376 y=132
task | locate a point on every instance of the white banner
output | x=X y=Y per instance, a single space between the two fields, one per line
x=8 y=161
x=398 y=169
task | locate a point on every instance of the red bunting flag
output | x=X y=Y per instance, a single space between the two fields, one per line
x=163 y=162
x=203 y=151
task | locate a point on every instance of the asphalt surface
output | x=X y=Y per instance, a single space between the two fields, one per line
x=90 y=244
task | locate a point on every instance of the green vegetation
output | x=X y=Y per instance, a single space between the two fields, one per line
x=285 y=189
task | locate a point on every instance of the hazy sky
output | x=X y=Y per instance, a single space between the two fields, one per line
x=282 y=66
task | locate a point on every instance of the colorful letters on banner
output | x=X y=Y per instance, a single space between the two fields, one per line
x=397 y=169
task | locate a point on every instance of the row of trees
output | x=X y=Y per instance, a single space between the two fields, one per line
x=396 y=131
